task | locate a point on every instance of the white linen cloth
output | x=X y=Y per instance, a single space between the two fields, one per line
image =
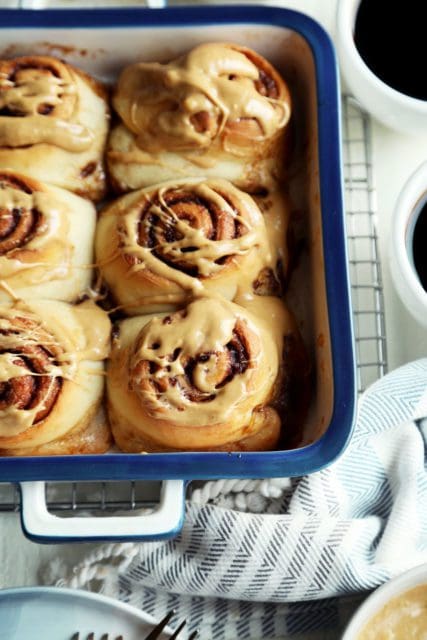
x=344 y=530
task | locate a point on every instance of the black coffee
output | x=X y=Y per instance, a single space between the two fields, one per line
x=391 y=38
x=420 y=246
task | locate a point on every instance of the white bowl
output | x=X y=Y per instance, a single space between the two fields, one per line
x=400 y=250
x=376 y=601
x=391 y=107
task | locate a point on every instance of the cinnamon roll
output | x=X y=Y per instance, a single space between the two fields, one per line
x=275 y=207
x=220 y=110
x=46 y=240
x=53 y=124
x=51 y=378
x=206 y=377
x=159 y=247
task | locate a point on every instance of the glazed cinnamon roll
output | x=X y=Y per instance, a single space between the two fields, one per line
x=53 y=124
x=275 y=207
x=46 y=240
x=161 y=246
x=51 y=378
x=206 y=377
x=221 y=110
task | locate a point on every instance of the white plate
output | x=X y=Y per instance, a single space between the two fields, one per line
x=56 y=614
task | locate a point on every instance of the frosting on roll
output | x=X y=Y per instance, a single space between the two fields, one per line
x=210 y=354
x=197 y=232
x=53 y=124
x=38 y=99
x=50 y=369
x=216 y=92
x=30 y=372
x=30 y=219
x=206 y=377
x=46 y=238
x=161 y=245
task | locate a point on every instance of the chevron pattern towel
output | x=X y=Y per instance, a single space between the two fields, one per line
x=339 y=532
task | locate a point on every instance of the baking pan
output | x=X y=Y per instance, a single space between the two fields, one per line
x=102 y=42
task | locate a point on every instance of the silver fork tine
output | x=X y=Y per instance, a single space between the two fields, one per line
x=91 y=636
x=178 y=631
x=154 y=635
x=159 y=628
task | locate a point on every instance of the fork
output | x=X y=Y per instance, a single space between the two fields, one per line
x=153 y=635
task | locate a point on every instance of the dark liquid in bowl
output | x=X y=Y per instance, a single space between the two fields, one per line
x=420 y=246
x=391 y=39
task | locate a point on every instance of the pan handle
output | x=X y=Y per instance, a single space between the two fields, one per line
x=165 y=521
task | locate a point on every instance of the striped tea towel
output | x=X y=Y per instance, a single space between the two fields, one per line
x=237 y=572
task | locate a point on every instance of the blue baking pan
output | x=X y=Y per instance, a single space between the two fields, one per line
x=112 y=38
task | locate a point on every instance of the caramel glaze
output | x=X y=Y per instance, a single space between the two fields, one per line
x=203 y=378
x=30 y=378
x=31 y=219
x=214 y=376
x=210 y=112
x=53 y=123
x=37 y=102
x=216 y=91
x=51 y=366
x=159 y=247
x=44 y=247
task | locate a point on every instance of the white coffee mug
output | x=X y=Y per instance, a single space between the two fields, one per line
x=392 y=108
x=409 y=204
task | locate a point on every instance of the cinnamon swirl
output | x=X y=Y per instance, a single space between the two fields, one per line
x=46 y=240
x=159 y=247
x=51 y=378
x=53 y=124
x=221 y=110
x=206 y=377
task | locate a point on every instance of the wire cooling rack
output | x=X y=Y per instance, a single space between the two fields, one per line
x=99 y=499
x=364 y=257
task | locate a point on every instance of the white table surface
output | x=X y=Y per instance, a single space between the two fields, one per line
x=395 y=157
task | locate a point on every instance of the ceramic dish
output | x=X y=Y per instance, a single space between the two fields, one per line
x=58 y=614
x=409 y=204
x=391 y=107
x=379 y=598
x=107 y=40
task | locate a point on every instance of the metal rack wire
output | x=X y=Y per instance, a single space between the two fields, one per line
x=99 y=499
x=364 y=258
